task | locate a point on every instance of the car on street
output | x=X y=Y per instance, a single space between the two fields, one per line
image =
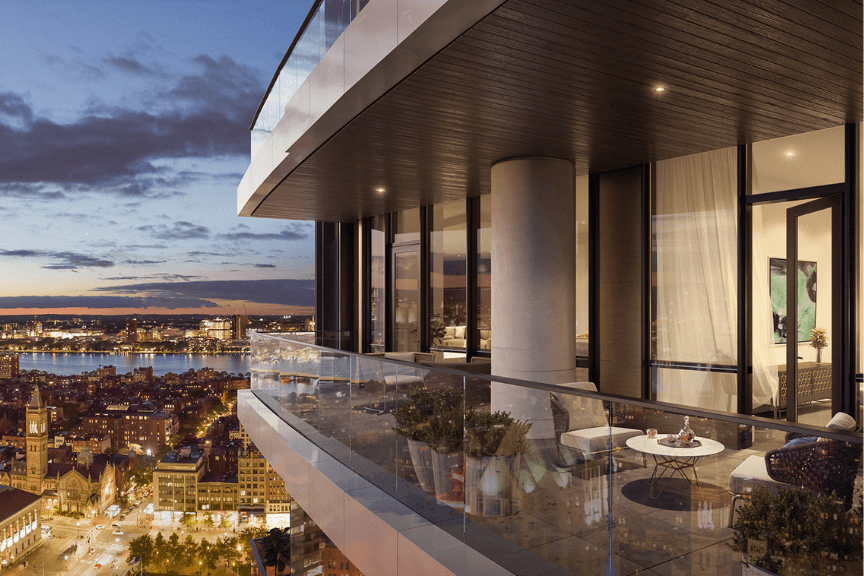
x=121 y=517
x=115 y=525
x=118 y=532
x=100 y=526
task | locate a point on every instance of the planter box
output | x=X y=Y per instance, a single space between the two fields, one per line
x=448 y=477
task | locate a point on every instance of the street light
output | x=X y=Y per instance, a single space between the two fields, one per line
x=78 y=529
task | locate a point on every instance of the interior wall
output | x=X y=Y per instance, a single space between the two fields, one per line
x=620 y=270
x=814 y=245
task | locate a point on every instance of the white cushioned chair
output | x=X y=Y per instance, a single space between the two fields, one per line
x=582 y=427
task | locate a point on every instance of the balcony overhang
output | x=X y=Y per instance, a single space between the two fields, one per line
x=576 y=80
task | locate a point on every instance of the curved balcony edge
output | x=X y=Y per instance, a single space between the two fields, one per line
x=382 y=46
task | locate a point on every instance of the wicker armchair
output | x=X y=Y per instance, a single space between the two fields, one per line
x=822 y=466
x=827 y=466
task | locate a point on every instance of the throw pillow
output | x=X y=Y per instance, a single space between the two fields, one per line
x=842 y=421
x=460 y=332
x=799 y=441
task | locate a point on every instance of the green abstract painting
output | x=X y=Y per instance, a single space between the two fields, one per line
x=806 y=298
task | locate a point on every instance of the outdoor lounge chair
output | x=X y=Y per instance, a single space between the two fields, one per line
x=582 y=427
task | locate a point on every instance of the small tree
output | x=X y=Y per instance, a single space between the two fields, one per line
x=277 y=549
x=207 y=522
x=141 y=547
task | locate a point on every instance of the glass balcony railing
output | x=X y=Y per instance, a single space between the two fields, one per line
x=327 y=20
x=598 y=484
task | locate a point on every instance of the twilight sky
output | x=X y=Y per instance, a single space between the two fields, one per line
x=124 y=132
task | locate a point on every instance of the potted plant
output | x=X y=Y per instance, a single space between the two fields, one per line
x=431 y=421
x=796 y=531
x=494 y=444
x=818 y=340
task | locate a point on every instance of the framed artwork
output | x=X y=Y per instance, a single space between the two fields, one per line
x=806 y=298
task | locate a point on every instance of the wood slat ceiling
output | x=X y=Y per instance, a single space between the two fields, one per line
x=574 y=79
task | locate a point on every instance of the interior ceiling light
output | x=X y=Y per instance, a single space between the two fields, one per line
x=379 y=190
x=659 y=89
x=790 y=154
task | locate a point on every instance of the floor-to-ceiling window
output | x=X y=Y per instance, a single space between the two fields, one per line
x=785 y=175
x=583 y=305
x=448 y=281
x=859 y=263
x=377 y=284
x=694 y=263
x=406 y=280
x=484 y=274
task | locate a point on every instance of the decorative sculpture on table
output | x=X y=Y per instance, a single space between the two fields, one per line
x=686 y=435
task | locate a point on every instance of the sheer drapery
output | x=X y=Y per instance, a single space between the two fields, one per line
x=765 y=379
x=695 y=233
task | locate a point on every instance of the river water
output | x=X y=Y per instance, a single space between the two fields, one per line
x=70 y=364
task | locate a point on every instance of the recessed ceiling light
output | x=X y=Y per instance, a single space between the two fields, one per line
x=659 y=89
x=790 y=154
x=379 y=190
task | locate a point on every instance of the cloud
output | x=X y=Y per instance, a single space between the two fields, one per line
x=288 y=292
x=61 y=260
x=160 y=301
x=130 y=65
x=30 y=191
x=204 y=114
x=143 y=262
x=264 y=265
x=294 y=231
x=181 y=230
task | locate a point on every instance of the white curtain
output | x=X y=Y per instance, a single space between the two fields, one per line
x=695 y=227
x=765 y=380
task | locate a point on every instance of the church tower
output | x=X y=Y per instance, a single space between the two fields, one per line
x=37 y=442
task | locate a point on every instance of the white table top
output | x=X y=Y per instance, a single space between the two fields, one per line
x=651 y=446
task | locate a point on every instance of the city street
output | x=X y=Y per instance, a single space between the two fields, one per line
x=109 y=550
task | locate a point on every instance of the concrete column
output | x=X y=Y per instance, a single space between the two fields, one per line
x=533 y=284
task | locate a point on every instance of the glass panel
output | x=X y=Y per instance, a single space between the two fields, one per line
x=378 y=285
x=694 y=254
x=406 y=226
x=582 y=265
x=814 y=318
x=448 y=247
x=859 y=265
x=484 y=274
x=337 y=15
x=799 y=161
x=306 y=51
x=406 y=280
x=768 y=342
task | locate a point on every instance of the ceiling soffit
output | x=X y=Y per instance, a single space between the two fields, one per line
x=576 y=79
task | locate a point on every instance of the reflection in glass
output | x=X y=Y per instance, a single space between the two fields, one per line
x=406 y=276
x=447 y=275
x=406 y=226
x=484 y=274
x=378 y=286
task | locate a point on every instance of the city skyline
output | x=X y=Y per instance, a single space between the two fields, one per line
x=123 y=136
